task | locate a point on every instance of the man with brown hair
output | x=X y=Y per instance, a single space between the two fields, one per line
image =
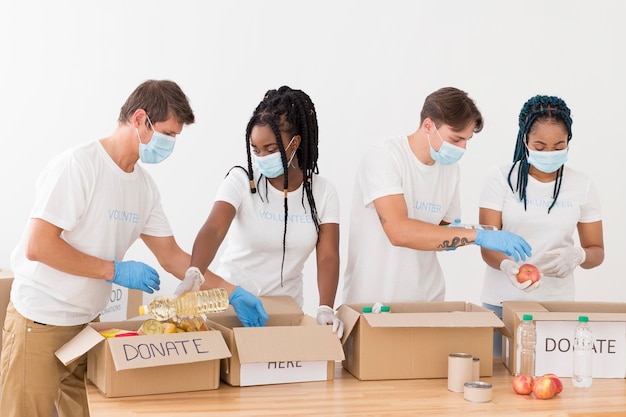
x=406 y=190
x=92 y=203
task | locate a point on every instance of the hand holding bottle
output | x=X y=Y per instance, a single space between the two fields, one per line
x=249 y=308
x=503 y=241
x=192 y=282
x=136 y=275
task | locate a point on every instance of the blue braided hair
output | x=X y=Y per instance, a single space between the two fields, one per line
x=538 y=109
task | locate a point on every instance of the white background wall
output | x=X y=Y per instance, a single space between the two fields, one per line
x=66 y=67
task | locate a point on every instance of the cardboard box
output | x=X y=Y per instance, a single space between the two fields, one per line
x=555 y=322
x=291 y=348
x=415 y=339
x=123 y=304
x=149 y=364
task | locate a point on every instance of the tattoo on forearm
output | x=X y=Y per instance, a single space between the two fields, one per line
x=382 y=220
x=454 y=243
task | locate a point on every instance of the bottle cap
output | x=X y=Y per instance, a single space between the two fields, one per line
x=367 y=309
x=527 y=317
x=143 y=310
x=583 y=319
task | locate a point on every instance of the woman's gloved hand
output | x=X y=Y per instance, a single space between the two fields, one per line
x=511 y=269
x=248 y=307
x=192 y=282
x=565 y=261
x=326 y=315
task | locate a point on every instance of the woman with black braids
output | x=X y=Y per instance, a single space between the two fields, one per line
x=277 y=210
x=544 y=201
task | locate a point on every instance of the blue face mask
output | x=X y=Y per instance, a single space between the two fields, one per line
x=547 y=161
x=271 y=166
x=448 y=153
x=158 y=149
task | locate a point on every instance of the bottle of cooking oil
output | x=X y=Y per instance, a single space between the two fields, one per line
x=190 y=304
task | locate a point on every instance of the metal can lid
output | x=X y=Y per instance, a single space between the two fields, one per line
x=478 y=384
x=460 y=355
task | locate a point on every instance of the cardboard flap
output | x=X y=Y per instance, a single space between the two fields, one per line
x=349 y=316
x=80 y=344
x=167 y=349
x=281 y=309
x=287 y=343
x=440 y=319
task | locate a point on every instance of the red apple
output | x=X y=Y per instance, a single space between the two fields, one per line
x=544 y=388
x=523 y=384
x=528 y=272
x=557 y=382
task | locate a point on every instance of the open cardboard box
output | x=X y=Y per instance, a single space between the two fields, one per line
x=415 y=339
x=147 y=364
x=555 y=322
x=291 y=348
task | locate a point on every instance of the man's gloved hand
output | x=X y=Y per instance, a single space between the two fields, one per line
x=136 y=275
x=564 y=262
x=511 y=269
x=192 y=282
x=248 y=307
x=503 y=241
x=326 y=315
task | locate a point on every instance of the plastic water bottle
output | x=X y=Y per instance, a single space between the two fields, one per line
x=526 y=341
x=193 y=303
x=583 y=354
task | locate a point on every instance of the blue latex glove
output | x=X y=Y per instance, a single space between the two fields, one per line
x=502 y=241
x=136 y=275
x=249 y=308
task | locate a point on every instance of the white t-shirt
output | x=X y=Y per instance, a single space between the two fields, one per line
x=253 y=253
x=578 y=202
x=376 y=270
x=102 y=211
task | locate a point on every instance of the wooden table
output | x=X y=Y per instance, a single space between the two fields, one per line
x=347 y=396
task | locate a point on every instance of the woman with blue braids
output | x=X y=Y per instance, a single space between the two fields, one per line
x=544 y=201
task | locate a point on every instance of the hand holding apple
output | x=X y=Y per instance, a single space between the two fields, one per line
x=528 y=272
x=512 y=270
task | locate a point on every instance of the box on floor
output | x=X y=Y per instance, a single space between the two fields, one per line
x=291 y=348
x=555 y=322
x=147 y=364
x=414 y=340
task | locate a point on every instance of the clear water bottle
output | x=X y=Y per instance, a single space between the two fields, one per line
x=193 y=303
x=526 y=341
x=583 y=354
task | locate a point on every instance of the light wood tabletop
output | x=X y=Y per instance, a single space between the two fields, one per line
x=347 y=396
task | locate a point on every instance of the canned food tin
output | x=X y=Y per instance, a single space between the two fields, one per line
x=460 y=367
x=478 y=392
